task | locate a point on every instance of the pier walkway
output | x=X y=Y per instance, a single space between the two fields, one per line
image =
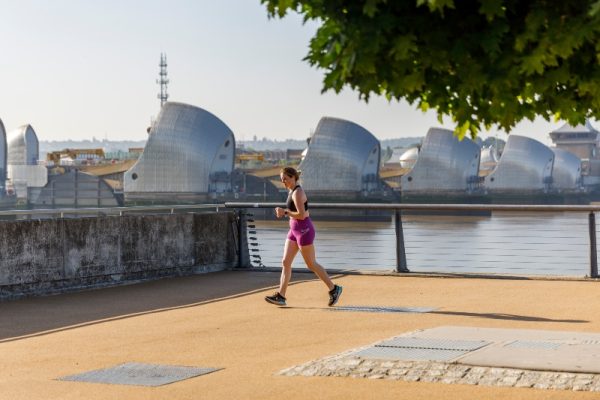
x=261 y=351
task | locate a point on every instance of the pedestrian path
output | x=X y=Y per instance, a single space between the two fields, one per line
x=179 y=329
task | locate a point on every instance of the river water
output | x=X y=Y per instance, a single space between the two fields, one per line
x=503 y=243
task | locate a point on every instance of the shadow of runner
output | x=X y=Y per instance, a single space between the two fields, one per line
x=42 y=315
x=512 y=317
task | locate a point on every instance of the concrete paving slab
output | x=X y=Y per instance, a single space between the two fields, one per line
x=540 y=350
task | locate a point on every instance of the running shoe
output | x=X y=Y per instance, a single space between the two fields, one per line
x=334 y=295
x=276 y=299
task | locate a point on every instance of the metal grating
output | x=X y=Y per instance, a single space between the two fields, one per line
x=529 y=344
x=140 y=374
x=435 y=344
x=374 y=309
x=409 y=354
x=589 y=342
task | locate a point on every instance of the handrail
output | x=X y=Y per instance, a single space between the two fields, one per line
x=396 y=208
x=108 y=210
x=433 y=207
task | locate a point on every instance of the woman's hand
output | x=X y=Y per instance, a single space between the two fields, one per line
x=279 y=212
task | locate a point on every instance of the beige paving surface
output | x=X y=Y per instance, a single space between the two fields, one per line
x=221 y=320
x=516 y=348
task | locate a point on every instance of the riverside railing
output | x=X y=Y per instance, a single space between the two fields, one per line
x=583 y=228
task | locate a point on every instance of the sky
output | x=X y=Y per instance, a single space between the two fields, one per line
x=83 y=69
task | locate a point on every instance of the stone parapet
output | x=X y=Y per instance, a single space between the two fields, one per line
x=56 y=255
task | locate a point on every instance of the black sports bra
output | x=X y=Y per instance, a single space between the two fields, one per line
x=290 y=201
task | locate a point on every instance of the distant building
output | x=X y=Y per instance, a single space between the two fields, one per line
x=274 y=155
x=136 y=150
x=294 y=155
x=74 y=189
x=581 y=140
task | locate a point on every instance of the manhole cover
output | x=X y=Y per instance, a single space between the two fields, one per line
x=140 y=374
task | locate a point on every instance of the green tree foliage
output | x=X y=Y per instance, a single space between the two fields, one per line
x=484 y=63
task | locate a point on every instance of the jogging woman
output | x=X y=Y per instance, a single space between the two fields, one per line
x=300 y=237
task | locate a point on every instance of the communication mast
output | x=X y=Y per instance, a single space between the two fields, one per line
x=163 y=81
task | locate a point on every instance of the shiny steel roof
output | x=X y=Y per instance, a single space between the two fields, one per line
x=566 y=172
x=187 y=150
x=22 y=146
x=444 y=163
x=525 y=164
x=341 y=156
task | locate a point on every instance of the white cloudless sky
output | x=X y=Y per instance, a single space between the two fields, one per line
x=77 y=69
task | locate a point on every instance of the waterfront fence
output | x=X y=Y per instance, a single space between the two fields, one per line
x=440 y=238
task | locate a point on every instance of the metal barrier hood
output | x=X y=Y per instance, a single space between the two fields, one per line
x=22 y=146
x=444 y=163
x=566 y=172
x=525 y=164
x=409 y=157
x=342 y=156
x=189 y=150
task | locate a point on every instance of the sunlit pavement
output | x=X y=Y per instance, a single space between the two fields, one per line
x=221 y=321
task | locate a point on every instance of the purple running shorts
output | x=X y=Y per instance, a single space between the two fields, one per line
x=302 y=231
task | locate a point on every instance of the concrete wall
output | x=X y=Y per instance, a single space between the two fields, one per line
x=54 y=255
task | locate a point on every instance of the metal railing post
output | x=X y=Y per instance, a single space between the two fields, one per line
x=242 y=234
x=593 y=250
x=400 y=251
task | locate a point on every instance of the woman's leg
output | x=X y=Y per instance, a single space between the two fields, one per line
x=308 y=253
x=289 y=252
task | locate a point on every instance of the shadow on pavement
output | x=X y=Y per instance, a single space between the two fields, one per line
x=511 y=317
x=42 y=315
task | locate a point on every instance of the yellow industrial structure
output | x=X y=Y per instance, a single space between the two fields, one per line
x=55 y=156
x=249 y=157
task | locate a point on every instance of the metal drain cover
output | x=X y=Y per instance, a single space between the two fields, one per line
x=139 y=374
x=439 y=344
x=376 y=309
x=421 y=349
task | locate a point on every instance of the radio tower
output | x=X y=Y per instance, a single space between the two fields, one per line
x=163 y=81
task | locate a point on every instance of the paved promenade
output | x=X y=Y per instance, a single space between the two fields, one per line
x=220 y=320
